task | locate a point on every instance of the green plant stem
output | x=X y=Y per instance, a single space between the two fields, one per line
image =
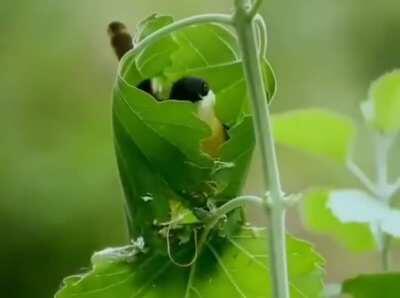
x=383 y=189
x=262 y=123
x=362 y=177
x=385 y=255
x=157 y=35
x=210 y=224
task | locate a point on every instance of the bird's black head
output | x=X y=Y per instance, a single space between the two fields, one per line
x=189 y=88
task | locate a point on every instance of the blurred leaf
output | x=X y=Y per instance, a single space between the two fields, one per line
x=383 y=285
x=319 y=218
x=383 y=105
x=356 y=206
x=233 y=266
x=353 y=205
x=315 y=131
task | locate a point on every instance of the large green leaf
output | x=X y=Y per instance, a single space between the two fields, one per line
x=319 y=217
x=381 y=285
x=315 y=131
x=232 y=266
x=382 y=108
x=158 y=142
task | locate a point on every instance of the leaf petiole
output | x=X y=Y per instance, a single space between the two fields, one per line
x=357 y=172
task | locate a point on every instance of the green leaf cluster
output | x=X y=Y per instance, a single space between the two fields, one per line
x=355 y=217
x=172 y=186
x=316 y=131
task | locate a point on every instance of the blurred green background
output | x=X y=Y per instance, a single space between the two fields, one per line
x=60 y=197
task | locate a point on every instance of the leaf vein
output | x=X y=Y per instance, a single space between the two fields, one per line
x=226 y=271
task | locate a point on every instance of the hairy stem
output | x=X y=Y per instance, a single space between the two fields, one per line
x=262 y=123
x=383 y=144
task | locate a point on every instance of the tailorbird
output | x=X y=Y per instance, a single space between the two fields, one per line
x=198 y=91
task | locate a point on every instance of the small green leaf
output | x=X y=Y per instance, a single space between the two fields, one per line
x=319 y=218
x=315 y=131
x=383 y=285
x=382 y=108
x=232 y=266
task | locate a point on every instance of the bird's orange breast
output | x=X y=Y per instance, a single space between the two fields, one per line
x=213 y=144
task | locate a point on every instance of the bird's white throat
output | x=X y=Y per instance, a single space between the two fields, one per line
x=206 y=108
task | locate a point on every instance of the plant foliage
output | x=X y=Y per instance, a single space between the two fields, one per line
x=172 y=186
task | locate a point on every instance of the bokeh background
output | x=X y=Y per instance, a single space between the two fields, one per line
x=60 y=197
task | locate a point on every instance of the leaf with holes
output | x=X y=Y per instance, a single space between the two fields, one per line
x=232 y=266
x=158 y=142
